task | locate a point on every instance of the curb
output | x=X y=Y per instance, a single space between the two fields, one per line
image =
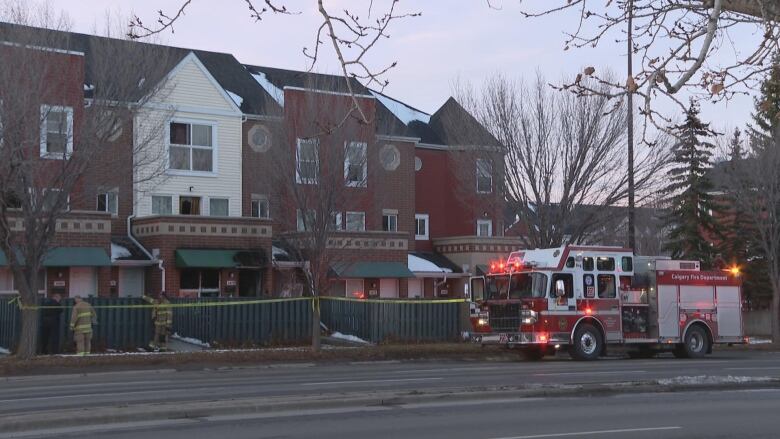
x=199 y=409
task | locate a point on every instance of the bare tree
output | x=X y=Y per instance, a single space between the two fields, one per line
x=59 y=115
x=676 y=41
x=350 y=36
x=563 y=153
x=754 y=186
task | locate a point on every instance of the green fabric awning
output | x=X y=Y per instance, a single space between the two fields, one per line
x=371 y=270
x=205 y=258
x=70 y=257
x=77 y=257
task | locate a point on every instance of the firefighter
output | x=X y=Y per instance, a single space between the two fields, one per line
x=81 y=320
x=162 y=316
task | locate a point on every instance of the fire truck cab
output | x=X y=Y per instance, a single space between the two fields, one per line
x=585 y=298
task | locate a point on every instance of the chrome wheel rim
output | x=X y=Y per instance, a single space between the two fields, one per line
x=696 y=342
x=588 y=343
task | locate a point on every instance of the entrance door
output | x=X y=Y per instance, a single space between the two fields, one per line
x=415 y=288
x=388 y=288
x=131 y=282
x=249 y=283
x=83 y=282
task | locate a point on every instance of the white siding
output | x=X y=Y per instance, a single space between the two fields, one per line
x=193 y=97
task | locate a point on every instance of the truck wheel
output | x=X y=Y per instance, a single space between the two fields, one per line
x=696 y=343
x=587 y=343
x=532 y=354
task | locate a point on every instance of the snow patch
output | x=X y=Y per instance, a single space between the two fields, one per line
x=402 y=111
x=192 y=341
x=236 y=98
x=347 y=337
x=4 y=351
x=118 y=252
x=418 y=264
x=274 y=91
x=707 y=379
x=754 y=340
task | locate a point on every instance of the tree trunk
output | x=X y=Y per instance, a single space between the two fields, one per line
x=776 y=315
x=315 y=327
x=28 y=337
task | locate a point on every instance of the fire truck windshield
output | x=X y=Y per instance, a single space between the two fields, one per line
x=520 y=286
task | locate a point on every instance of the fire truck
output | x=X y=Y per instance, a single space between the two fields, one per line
x=586 y=298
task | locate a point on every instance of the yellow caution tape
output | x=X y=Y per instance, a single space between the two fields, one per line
x=404 y=301
x=206 y=304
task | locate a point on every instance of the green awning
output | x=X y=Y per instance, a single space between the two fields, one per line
x=69 y=257
x=77 y=257
x=358 y=270
x=200 y=258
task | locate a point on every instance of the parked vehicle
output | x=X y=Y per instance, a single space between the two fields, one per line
x=587 y=298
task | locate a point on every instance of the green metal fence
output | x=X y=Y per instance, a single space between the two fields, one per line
x=125 y=324
x=254 y=323
x=393 y=320
x=9 y=323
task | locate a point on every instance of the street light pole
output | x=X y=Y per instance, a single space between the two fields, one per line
x=629 y=87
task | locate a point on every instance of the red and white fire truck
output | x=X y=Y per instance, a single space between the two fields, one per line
x=585 y=298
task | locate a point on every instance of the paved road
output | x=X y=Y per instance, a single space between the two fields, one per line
x=724 y=414
x=23 y=394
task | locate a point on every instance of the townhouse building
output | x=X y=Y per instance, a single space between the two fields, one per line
x=204 y=209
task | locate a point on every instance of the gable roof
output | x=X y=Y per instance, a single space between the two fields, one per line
x=456 y=126
x=160 y=60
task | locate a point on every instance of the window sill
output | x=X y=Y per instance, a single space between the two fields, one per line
x=184 y=173
x=56 y=155
x=421 y=238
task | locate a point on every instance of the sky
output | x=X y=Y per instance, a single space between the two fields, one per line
x=453 y=40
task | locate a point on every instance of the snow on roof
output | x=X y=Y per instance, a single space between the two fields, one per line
x=277 y=251
x=236 y=98
x=274 y=91
x=118 y=252
x=418 y=264
x=402 y=111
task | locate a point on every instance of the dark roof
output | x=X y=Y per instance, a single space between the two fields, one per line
x=156 y=61
x=136 y=254
x=439 y=260
x=456 y=126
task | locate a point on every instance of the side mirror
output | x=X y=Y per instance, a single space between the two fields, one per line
x=560 y=288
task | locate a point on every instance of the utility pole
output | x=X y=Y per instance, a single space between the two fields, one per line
x=630 y=57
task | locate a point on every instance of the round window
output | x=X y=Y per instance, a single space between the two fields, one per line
x=259 y=138
x=390 y=157
x=417 y=163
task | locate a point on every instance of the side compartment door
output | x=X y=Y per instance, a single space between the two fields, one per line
x=729 y=311
x=668 y=311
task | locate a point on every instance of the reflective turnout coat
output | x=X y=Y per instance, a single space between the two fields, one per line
x=82 y=318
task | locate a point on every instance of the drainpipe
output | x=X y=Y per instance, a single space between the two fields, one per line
x=143 y=249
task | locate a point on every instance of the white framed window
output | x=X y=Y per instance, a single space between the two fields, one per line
x=390 y=222
x=56 y=132
x=191 y=146
x=260 y=206
x=484 y=176
x=356 y=221
x=49 y=198
x=307 y=161
x=355 y=164
x=305 y=224
x=421 y=226
x=484 y=227
x=336 y=220
x=108 y=202
x=162 y=205
x=219 y=207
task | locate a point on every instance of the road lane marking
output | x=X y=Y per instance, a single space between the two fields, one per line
x=399 y=380
x=592 y=433
x=753 y=368
x=612 y=372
